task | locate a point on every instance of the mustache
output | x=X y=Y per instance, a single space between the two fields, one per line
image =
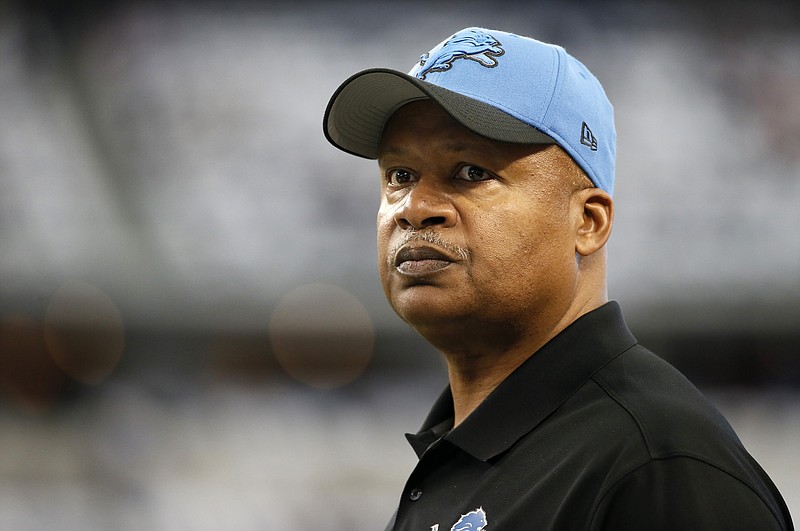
x=432 y=237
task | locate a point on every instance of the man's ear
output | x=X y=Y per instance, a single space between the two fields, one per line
x=594 y=228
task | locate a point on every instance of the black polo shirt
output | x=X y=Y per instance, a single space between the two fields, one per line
x=592 y=432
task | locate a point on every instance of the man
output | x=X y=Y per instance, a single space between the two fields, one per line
x=497 y=160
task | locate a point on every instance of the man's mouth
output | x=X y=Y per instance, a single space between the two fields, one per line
x=421 y=260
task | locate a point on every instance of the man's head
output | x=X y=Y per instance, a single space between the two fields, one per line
x=486 y=222
x=499 y=85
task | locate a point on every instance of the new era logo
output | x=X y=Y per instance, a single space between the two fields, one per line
x=587 y=138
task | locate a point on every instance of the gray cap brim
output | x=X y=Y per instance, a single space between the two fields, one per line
x=359 y=109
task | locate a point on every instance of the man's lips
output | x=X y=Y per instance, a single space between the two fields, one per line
x=421 y=260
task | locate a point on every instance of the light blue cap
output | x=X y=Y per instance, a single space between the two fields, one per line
x=502 y=86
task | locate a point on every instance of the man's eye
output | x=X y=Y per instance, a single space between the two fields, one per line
x=473 y=173
x=399 y=177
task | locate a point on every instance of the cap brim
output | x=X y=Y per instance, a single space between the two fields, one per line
x=359 y=109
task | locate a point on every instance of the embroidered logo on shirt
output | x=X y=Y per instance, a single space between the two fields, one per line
x=472 y=521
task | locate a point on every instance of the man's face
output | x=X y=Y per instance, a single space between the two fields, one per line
x=471 y=232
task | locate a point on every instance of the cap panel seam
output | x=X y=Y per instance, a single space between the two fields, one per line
x=558 y=89
x=558 y=93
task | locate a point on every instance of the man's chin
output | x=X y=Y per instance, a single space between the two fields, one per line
x=424 y=305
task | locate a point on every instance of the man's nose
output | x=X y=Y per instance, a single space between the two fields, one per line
x=426 y=205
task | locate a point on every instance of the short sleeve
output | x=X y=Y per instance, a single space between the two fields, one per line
x=682 y=493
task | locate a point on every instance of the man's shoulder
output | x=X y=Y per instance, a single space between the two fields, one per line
x=671 y=420
x=684 y=446
x=632 y=410
x=671 y=415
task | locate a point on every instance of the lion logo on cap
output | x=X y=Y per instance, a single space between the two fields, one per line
x=474 y=45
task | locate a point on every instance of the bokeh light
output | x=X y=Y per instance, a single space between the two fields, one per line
x=84 y=332
x=322 y=335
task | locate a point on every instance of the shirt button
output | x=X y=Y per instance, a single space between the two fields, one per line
x=415 y=494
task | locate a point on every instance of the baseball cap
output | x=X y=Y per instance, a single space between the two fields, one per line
x=499 y=85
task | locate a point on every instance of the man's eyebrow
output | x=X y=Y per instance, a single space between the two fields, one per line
x=459 y=147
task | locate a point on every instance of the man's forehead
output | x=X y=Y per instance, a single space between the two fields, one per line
x=422 y=114
x=403 y=140
x=401 y=148
x=423 y=121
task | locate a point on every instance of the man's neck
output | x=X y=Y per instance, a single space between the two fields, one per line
x=476 y=372
x=472 y=382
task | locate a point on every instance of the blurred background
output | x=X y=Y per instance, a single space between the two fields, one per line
x=192 y=331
